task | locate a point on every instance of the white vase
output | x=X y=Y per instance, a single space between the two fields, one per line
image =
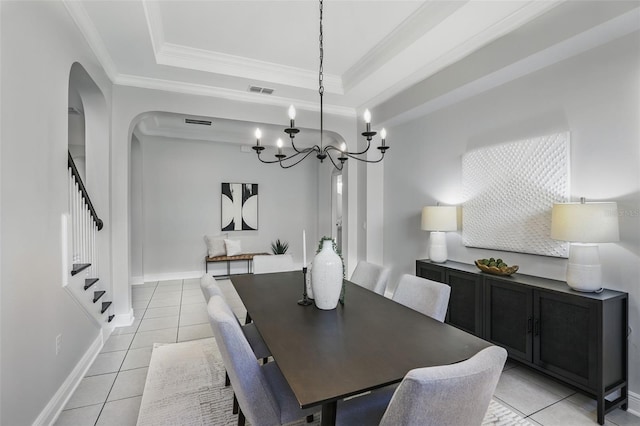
x=326 y=277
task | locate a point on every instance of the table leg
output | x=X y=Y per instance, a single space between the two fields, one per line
x=329 y=413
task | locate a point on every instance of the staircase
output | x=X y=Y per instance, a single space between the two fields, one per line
x=83 y=225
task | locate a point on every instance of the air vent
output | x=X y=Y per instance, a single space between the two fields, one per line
x=258 y=89
x=200 y=122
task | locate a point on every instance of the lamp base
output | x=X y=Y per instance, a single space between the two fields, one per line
x=438 y=247
x=583 y=269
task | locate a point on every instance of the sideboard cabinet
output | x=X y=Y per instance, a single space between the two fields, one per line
x=578 y=338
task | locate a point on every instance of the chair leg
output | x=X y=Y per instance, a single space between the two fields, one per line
x=310 y=418
x=247 y=319
x=241 y=418
x=235 y=404
x=227 y=382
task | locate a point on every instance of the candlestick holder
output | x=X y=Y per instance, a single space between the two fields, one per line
x=305 y=299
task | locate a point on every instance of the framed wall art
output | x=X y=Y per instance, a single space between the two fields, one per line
x=239 y=206
x=510 y=189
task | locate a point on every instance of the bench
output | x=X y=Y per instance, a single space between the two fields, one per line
x=248 y=257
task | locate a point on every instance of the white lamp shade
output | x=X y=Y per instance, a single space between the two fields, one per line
x=585 y=222
x=439 y=218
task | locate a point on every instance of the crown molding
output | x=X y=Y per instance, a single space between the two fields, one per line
x=153 y=17
x=180 y=56
x=84 y=23
x=379 y=60
x=428 y=15
x=595 y=37
x=229 y=94
x=221 y=63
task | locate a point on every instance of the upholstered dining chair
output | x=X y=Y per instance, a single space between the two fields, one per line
x=210 y=288
x=262 y=392
x=264 y=264
x=423 y=295
x=448 y=395
x=371 y=276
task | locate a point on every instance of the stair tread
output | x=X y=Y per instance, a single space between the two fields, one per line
x=105 y=306
x=97 y=295
x=89 y=282
x=78 y=267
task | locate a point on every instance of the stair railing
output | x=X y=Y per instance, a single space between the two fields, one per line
x=85 y=222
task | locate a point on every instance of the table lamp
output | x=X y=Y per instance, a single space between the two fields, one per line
x=439 y=219
x=584 y=225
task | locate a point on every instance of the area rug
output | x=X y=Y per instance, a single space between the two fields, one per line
x=185 y=387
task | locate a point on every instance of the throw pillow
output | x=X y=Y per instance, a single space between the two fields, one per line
x=215 y=246
x=233 y=247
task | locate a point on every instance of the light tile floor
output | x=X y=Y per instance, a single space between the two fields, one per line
x=174 y=311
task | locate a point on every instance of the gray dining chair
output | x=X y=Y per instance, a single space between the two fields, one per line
x=448 y=395
x=264 y=264
x=371 y=276
x=210 y=288
x=420 y=294
x=262 y=392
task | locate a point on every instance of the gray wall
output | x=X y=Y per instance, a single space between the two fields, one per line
x=595 y=97
x=40 y=43
x=181 y=184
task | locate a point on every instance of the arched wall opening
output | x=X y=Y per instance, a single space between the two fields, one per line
x=88 y=143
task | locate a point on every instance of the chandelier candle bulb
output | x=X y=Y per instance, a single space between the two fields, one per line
x=367 y=119
x=279 y=144
x=292 y=116
x=258 y=136
x=383 y=135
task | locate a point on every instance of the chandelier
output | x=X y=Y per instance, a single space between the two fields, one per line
x=337 y=155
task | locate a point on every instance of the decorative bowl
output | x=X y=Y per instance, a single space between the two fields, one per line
x=508 y=270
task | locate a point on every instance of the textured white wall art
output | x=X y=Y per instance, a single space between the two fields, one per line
x=510 y=190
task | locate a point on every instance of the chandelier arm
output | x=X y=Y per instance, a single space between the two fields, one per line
x=306 y=151
x=339 y=167
x=315 y=147
x=361 y=152
x=293 y=156
x=364 y=160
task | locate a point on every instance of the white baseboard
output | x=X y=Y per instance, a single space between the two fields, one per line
x=634 y=404
x=50 y=413
x=185 y=275
x=123 y=320
x=136 y=280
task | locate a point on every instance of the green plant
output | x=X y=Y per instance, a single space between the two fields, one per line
x=279 y=247
x=339 y=253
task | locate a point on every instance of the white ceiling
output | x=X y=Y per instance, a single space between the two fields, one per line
x=372 y=49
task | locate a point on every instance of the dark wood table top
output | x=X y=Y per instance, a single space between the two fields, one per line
x=368 y=343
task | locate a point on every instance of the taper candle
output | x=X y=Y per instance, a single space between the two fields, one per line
x=304 y=249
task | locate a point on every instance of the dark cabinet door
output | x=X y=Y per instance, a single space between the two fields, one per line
x=565 y=336
x=430 y=271
x=465 y=302
x=509 y=317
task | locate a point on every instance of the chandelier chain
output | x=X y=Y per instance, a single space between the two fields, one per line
x=321 y=39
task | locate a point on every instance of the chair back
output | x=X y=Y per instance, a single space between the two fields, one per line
x=209 y=287
x=449 y=395
x=423 y=295
x=371 y=276
x=264 y=264
x=251 y=387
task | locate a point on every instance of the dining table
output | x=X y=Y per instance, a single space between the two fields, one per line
x=366 y=343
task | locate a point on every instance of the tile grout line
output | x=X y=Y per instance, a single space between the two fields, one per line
x=125 y=357
x=550 y=405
